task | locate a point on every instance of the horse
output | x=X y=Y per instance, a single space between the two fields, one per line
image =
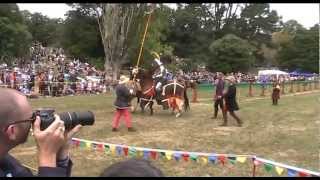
x=175 y=96
x=141 y=81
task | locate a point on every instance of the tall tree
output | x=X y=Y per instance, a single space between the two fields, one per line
x=231 y=54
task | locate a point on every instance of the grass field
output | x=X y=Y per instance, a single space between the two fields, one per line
x=287 y=133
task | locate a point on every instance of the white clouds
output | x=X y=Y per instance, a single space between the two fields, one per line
x=305 y=14
x=52 y=10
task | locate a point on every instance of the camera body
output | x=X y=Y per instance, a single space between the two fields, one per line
x=70 y=119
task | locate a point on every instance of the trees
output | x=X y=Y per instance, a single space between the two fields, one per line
x=231 y=54
x=302 y=52
x=14 y=35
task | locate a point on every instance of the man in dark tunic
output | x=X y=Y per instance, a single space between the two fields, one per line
x=218 y=97
x=231 y=104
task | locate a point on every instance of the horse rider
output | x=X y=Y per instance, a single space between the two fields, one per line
x=159 y=77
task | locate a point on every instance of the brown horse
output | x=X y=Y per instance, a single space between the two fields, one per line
x=143 y=84
x=175 y=93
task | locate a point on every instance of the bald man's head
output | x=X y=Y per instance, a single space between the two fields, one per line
x=14 y=106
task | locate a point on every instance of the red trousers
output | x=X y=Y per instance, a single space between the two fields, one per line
x=121 y=112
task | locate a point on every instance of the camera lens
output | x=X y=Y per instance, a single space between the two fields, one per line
x=71 y=119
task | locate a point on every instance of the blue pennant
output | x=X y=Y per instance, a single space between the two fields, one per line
x=292 y=173
x=119 y=150
x=212 y=159
x=146 y=154
x=177 y=156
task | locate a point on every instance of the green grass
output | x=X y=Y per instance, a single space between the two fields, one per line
x=287 y=133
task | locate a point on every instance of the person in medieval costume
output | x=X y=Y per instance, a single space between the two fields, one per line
x=160 y=77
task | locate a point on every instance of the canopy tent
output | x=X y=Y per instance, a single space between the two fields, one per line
x=300 y=73
x=265 y=75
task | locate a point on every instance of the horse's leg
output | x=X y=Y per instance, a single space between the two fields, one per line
x=179 y=106
x=151 y=108
x=142 y=106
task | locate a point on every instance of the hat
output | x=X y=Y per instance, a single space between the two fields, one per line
x=230 y=78
x=123 y=79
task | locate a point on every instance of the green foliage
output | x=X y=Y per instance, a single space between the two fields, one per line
x=303 y=52
x=14 y=35
x=231 y=54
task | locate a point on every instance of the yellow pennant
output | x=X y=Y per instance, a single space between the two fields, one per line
x=241 y=159
x=204 y=160
x=279 y=170
x=113 y=150
x=168 y=155
x=139 y=153
x=88 y=145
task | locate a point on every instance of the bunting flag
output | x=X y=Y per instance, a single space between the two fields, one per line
x=132 y=152
x=292 y=173
x=194 y=157
x=232 y=159
x=177 y=156
x=168 y=155
x=153 y=155
x=268 y=167
x=125 y=151
x=279 y=170
x=241 y=159
x=202 y=158
x=212 y=159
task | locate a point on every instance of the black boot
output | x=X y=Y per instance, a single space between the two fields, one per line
x=131 y=129
x=114 y=129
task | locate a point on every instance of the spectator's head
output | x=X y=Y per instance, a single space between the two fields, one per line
x=132 y=168
x=15 y=119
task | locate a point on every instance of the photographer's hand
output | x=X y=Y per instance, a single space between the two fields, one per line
x=48 y=141
x=64 y=151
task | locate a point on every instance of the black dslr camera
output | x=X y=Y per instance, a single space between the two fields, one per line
x=70 y=119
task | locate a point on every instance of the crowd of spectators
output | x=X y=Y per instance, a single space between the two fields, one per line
x=52 y=73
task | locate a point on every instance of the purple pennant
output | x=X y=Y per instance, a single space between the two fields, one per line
x=177 y=156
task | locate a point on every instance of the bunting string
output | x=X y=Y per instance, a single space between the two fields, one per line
x=200 y=157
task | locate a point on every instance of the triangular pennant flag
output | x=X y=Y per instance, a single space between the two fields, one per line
x=212 y=159
x=88 y=145
x=162 y=154
x=153 y=155
x=107 y=148
x=256 y=162
x=232 y=159
x=75 y=142
x=185 y=156
x=268 y=167
x=177 y=156
x=241 y=159
x=113 y=150
x=168 y=155
x=146 y=154
x=125 y=151
x=222 y=159
x=139 y=153
x=279 y=170
x=94 y=146
x=119 y=150
x=292 y=173
x=303 y=174
x=132 y=152
x=193 y=157
x=101 y=147
x=204 y=160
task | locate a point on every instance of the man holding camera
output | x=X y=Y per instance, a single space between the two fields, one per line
x=52 y=143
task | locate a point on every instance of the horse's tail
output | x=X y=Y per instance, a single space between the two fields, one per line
x=186 y=101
